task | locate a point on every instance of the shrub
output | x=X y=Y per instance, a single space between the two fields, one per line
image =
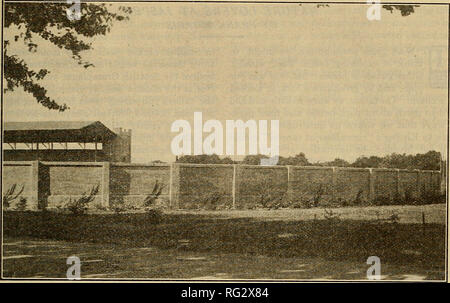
x=317 y=196
x=382 y=200
x=79 y=206
x=117 y=206
x=212 y=200
x=150 y=200
x=430 y=197
x=300 y=201
x=9 y=195
x=100 y=207
x=426 y=197
x=277 y=202
x=397 y=199
x=358 y=199
x=409 y=198
x=118 y=209
x=297 y=202
x=154 y=215
x=59 y=208
x=22 y=204
x=342 y=202
x=267 y=196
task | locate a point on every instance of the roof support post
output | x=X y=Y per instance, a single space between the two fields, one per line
x=105 y=184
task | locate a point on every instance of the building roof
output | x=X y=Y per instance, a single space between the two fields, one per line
x=46 y=125
x=56 y=131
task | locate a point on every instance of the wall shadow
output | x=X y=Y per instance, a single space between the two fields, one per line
x=413 y=245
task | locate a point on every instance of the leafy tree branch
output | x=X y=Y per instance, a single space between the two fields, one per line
x=49 y=21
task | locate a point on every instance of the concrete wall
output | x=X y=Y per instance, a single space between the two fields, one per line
x=385 y=183
x=409 y=184
x=308 y=182
x=255 y=184
x=62 y=181
x=203 y=184
x=352 y=184
x=131 y=183
x=219 y=186
x=22 y=174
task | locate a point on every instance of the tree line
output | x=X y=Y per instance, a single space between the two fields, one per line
x=427 y=161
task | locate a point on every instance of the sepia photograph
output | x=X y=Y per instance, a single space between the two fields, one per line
x=226 y=141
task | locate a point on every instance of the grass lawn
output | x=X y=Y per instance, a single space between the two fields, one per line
x=258 y=244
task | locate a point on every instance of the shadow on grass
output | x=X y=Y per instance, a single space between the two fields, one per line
x=414 y=245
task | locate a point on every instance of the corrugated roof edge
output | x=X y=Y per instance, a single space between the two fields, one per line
x=47 y=125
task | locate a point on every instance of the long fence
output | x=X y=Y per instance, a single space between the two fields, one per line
x=188 y=186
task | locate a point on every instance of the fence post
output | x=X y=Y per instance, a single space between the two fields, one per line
x=289 y=194
x=418 y=189
x=398 y=183
x=105 y=184
x=372 y=195
x=423 y=223
x=34 y=194
x=175 y=185
x=442 y=177
x=170 y=185
x=234 y=186
x=333 y=184
x=432 y=189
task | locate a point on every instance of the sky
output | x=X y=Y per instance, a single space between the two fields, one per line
x=340 y=85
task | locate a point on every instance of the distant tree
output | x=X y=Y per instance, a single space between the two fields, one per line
x=428 y=161
x=337 y=163
x=227 y=160
x=394 y=160
x=49 y=21
x=405 y=10
x=204 y=159
x=369 y=162
x=297 y=160
x=253 y=159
